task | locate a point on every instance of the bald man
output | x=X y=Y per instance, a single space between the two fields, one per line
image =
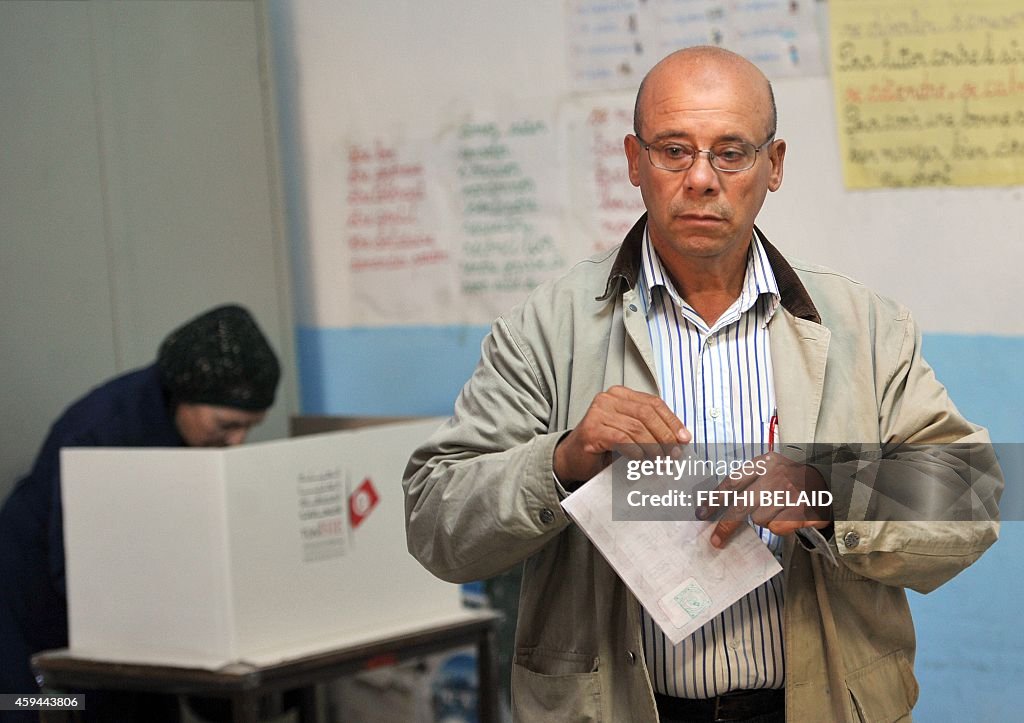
x=697 y=332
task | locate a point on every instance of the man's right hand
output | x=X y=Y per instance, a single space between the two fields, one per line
x=618 y=420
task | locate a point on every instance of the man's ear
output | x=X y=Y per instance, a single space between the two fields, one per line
x=776 y=156
x=633 y=150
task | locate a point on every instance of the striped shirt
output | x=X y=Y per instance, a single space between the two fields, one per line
x=718 y=381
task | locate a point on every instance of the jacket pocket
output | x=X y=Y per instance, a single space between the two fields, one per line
x=885 y=690
x=549 y=685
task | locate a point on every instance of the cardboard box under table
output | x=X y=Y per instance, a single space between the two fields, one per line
x=258 y=553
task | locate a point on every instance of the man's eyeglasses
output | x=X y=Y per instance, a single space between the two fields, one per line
x=730 y=157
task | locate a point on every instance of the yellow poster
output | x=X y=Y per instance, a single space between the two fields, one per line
x=929 y=92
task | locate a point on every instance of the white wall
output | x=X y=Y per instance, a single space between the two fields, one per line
x=138 y=186
x=363 y=67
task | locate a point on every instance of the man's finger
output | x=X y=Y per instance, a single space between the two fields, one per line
x=724 y=530
x=791 y=519
x=664 y=426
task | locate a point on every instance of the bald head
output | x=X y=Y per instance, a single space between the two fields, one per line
x=709 y=64
x=698 y=108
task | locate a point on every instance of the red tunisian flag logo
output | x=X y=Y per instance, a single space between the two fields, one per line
x=361 y=502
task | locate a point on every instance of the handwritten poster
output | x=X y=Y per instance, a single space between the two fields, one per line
x=605 y=205
x=613 y=43
x=607 y=45
x=456 y=226
x=393 y=214
x=510 y=198
x=929 y=92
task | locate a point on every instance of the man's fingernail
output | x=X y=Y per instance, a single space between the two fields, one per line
x=716 y=540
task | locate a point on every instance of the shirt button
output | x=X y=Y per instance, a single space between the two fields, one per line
x=715 y=411
x=851 y=539
x=547 y=516
x=631 y=656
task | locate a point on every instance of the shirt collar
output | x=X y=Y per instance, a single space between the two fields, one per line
x=626 y=265
x=758 y=278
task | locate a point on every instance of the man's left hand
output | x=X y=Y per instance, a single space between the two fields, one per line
x=781 y=475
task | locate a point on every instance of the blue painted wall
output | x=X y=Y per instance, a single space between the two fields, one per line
x=970 y=642
x=388 y=371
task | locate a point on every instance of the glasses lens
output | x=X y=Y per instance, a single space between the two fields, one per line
x=671 y=156
x=733 y=156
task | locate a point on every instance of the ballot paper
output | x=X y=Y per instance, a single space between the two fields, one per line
x=670 y=566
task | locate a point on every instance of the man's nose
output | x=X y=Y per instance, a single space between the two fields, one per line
x=702 y=176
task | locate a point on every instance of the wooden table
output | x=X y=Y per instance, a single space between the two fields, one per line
x=244 y=684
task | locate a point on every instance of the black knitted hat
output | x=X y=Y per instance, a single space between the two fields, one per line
x=221 y=358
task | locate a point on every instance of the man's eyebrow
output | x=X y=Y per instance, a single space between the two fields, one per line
x=671 y=135
x=683 y=135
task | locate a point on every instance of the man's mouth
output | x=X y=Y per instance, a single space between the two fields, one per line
x=701 y=217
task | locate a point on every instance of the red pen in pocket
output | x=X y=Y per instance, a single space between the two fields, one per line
x=773 y=424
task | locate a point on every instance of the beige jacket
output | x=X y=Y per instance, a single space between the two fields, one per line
x=480 y=496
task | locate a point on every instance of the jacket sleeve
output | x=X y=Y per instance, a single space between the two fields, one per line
x=924 y=506
x=480 y=493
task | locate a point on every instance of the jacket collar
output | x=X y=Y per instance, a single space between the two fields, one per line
x=626 y=269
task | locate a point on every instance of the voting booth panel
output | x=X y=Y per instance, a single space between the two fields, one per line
x=263 y=552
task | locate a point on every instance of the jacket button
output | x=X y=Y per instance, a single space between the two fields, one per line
x=851 y=539
x=632 y=307
x=547 y=516
x=631 y=656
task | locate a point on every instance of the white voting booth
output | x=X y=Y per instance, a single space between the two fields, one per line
x=258 y=553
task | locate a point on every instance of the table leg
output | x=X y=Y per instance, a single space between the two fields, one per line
x=487 y=695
